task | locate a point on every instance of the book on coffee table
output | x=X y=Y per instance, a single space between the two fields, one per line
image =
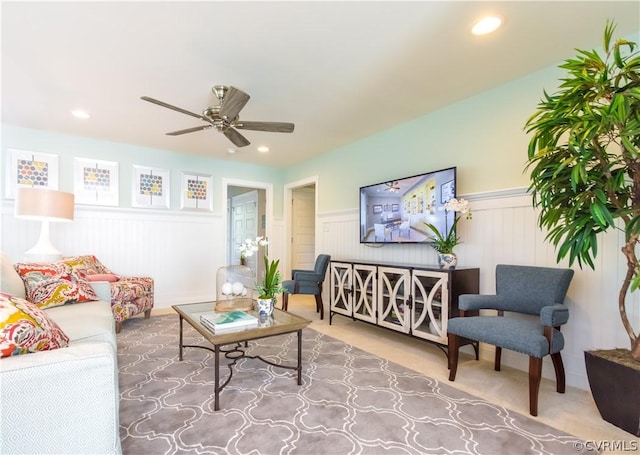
x=228 y=321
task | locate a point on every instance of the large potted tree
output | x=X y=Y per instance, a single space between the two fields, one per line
x=584 y=163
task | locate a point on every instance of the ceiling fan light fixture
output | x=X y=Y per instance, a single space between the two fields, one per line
x=219 y=91
x=486 y=25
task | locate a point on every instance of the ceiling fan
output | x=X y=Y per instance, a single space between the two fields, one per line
x=224 y=116
x=392 y=186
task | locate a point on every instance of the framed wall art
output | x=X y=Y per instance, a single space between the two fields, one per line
x=96 y=182
x=31 y=169
x=195 y=192
x=150 y=187
x=377 y=209
x=447 y=191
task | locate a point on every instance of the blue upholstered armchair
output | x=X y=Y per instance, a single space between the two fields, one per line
x=308 y=282
x=536 y=291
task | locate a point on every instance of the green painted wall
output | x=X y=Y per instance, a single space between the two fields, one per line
x=483 y=136
x=67 y=147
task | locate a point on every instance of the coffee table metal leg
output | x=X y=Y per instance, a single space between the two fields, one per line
x=180 y=344
x=299 y=357
x=216 y=402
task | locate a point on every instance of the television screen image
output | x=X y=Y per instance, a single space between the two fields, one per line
x=396 y=211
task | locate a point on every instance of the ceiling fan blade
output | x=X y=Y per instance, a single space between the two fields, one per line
x=238 y=139
x=233 y=102
x=189 y=130
x=274 y=127
x=169 y=106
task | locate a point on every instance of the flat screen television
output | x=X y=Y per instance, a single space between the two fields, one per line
x=396 y=211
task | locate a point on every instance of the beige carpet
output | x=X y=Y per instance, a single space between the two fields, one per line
x=351 y=402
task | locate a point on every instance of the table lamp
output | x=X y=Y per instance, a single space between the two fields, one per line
x=43 y=205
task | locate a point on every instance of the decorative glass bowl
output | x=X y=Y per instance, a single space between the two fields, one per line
x=234 y=288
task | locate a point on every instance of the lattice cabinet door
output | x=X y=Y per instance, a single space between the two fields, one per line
x=393 y=298
x=341 y=288
x=429 y=316
x=364 y=292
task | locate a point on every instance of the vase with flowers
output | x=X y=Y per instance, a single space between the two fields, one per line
x=445 y=243
x=271 y=285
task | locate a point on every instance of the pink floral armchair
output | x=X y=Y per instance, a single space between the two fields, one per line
x=130 y=296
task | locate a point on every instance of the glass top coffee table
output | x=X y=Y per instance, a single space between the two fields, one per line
x=279 y=323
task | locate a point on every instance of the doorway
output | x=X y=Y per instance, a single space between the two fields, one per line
x=300 y=213
x=248 y=205
x=244 y=222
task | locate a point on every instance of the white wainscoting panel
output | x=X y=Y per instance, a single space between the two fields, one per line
x=504 y=230
x=183 y=250
x=180 y=250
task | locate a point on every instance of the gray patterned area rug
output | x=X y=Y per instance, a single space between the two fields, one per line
x=350 y=402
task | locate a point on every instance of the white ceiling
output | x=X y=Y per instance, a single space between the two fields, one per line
x=339 y=70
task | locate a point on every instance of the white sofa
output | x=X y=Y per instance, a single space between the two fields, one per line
x=62 y=401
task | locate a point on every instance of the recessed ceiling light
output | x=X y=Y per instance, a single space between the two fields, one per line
x=263 y=149
x=486 y=25
x=231 y=151
x=79 y=113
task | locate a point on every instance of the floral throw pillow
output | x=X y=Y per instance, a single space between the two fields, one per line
x=25 y=328
x=54 y=284
x=87 y=263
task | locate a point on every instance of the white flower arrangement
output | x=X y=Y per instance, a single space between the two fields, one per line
x=445 y=243
x=248 y=247
x=457 y=205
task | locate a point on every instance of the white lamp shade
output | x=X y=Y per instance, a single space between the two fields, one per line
x=44 y=204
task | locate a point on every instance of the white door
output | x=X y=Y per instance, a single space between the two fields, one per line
x=303 y=228
x=244 y=225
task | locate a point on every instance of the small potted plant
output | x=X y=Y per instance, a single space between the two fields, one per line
x=444 y=244
x=269 y=288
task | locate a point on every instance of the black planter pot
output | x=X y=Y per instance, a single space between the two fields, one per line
x=615 y=389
